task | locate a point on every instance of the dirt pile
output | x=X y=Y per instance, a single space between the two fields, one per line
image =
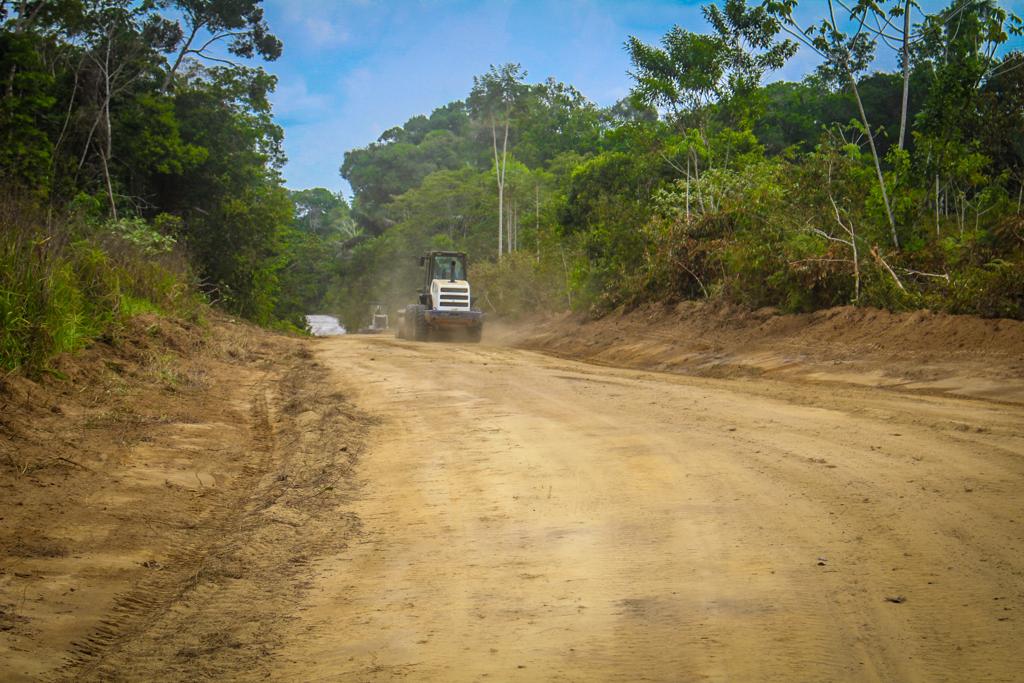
x=162 y=497
x=920 y=351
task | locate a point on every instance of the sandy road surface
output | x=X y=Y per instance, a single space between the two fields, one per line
x=529 y=518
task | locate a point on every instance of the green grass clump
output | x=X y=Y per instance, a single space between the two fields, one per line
x=62 y=286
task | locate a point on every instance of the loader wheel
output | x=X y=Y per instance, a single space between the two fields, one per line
x=473 y=334
x=421 y=332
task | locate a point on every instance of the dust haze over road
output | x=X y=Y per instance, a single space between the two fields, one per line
x=529 y=518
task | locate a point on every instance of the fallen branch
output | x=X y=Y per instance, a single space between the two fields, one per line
x=881 y=262
x=940 y=276
x=821 y=260
x=694 y=276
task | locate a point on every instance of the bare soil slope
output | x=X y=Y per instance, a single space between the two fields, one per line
x=161 y=506
x=921 y=351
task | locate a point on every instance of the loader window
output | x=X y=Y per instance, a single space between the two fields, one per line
x=449 y=268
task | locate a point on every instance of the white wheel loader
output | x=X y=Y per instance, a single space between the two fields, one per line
x=445 y=307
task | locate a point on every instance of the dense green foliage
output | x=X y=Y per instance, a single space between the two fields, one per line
x=707 y=183
x=122 y=134
x=114 y=113
x=59 y=289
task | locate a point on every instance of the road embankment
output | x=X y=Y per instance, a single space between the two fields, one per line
x=920 y=351
x=163 y=498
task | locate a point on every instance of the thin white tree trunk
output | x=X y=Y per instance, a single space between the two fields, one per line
x=107 y=147
x=881 y=262
x=501 y=197
x=867 y=128
x=906 y=72
x=499 y=172
x=687 y=188
x=878 y=163
x=852 y=243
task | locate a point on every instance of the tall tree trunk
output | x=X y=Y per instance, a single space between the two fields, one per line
x=499 y=172
x=110 y=187
x=867 y=127
x=107 y=146
x=508 y=231
x=874 y=155
x=906 y=72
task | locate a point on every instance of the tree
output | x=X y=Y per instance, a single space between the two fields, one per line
x=25 y=147
x=239 y=22
x=494 y=99
x=845 y=55
x=692 y=71
x=553 y=118
x=401 y=158
x=117 y=56
x=1001 y=113
x=701 y=77
x=323 y=213
x=881 y=23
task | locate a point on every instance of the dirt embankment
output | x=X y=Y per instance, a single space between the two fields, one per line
x=922 y=351
x=162 y=501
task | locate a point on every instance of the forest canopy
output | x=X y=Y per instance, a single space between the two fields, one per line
x=142 y=172
x=141 y=168
x=899 y=189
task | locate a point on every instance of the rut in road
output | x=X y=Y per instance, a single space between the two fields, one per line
x=215 y=606
x=528 y=518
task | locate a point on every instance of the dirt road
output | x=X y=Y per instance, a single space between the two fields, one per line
x=529 y=518
x=366 y=509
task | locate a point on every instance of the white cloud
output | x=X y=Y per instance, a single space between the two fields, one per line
x=319 y=25
x=292 y=100
x=323 y=33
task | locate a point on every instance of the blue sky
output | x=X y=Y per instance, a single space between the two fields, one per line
x=354 y=68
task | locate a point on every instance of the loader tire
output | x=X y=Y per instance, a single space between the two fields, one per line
x=421 y=332
x=474 y=334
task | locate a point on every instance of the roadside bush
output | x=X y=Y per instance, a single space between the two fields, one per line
x=995 y=290
x=521 y=283
x=61 y=287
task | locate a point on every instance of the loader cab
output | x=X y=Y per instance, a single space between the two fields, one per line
x=447 y=266
x=443 y=265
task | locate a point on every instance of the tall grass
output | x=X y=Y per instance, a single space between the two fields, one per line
x=64 y=285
